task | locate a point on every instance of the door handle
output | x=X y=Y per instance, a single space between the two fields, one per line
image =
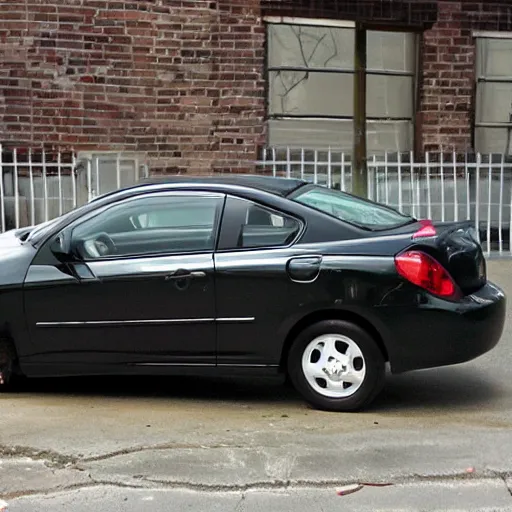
x=185 y=274
x=197 y=274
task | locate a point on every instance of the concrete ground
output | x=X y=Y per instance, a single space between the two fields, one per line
x=441 y=437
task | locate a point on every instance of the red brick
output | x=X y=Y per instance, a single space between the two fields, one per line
x=133 y=78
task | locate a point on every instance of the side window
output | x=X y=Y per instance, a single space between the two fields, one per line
x=151 y=225
x=255 y=226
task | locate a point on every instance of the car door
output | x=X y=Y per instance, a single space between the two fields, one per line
x=252 y=282
x=147 y=300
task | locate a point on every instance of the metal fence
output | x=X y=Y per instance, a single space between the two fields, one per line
x=441 y=187
x=36 y=186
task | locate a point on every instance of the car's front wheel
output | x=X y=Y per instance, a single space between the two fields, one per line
x=336 y=366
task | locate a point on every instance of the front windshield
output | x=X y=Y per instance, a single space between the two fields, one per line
x=352 y=209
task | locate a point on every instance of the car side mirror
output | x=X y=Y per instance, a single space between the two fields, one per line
x=61 y=245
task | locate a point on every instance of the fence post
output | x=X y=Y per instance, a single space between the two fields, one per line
x=59 y=174
x=45 y=186
x=342 y=181
x=315 y=168
x=441 y=173
x=477 y=194
x=455 y=190
x=399 y=168
x=288 y=163
x=89 y=180
x=500 y=211
x=118 y=170
x=489 y=205
x=74 y=177
x=32 y=189
x=414 y=214
x=16 y=193
x=429 y=194
x=386 y=177
x=329 y=175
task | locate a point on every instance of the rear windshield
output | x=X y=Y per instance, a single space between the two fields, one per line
x=352 y=209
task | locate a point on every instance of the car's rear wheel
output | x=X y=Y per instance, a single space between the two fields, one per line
x=7 y=364
x=336 y=366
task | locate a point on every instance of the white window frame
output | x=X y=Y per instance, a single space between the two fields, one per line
x=482 y=79
x=319 y=22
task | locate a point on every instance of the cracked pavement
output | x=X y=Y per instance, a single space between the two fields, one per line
x=133 y=444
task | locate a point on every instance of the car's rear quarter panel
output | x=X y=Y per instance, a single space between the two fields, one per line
x=358 y=281
x=348 y=286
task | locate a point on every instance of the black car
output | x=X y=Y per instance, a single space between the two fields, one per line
x=244 y=274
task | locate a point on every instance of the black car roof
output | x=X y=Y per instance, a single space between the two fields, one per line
x=273 y=185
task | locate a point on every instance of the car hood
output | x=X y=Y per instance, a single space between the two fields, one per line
x=11 y=238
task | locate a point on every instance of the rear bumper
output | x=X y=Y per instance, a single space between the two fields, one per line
x=439 y=333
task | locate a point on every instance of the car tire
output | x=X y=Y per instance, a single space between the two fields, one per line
x=7 y=365
x=363 y=364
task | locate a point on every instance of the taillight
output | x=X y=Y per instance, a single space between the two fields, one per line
x=422 y=270
x=426 y=230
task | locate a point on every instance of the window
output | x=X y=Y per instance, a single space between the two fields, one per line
x=493 y=119
x=357 y=211
x=151 y=225
x=311 y=77
x=250 y=225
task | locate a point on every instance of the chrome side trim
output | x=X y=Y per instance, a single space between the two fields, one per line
x=176 y=364
x=224 y=365
x=126 y=322
x=174 y=321
x=236 y=320
x=210 y=365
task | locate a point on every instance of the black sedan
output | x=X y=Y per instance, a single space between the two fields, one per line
x=249 y=275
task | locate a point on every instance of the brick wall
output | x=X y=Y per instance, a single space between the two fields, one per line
x=448 y=71
x=181 y=80
x=420 y=13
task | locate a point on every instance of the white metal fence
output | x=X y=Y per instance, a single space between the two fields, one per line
x=440 y=187
x=36 y=186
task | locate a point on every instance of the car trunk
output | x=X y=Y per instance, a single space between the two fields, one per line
x=457 y=248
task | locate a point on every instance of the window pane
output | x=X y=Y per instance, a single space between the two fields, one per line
x=389 y=96
x=493 y=140
x=266 y=228
x=494 y=102
x=309 y=133
x=494 y=57
x=391 y=51
x=311 y=93
x=388 y=137
x=151 y=225
x=352 y=209
x=381 y=136
x=310 y=46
